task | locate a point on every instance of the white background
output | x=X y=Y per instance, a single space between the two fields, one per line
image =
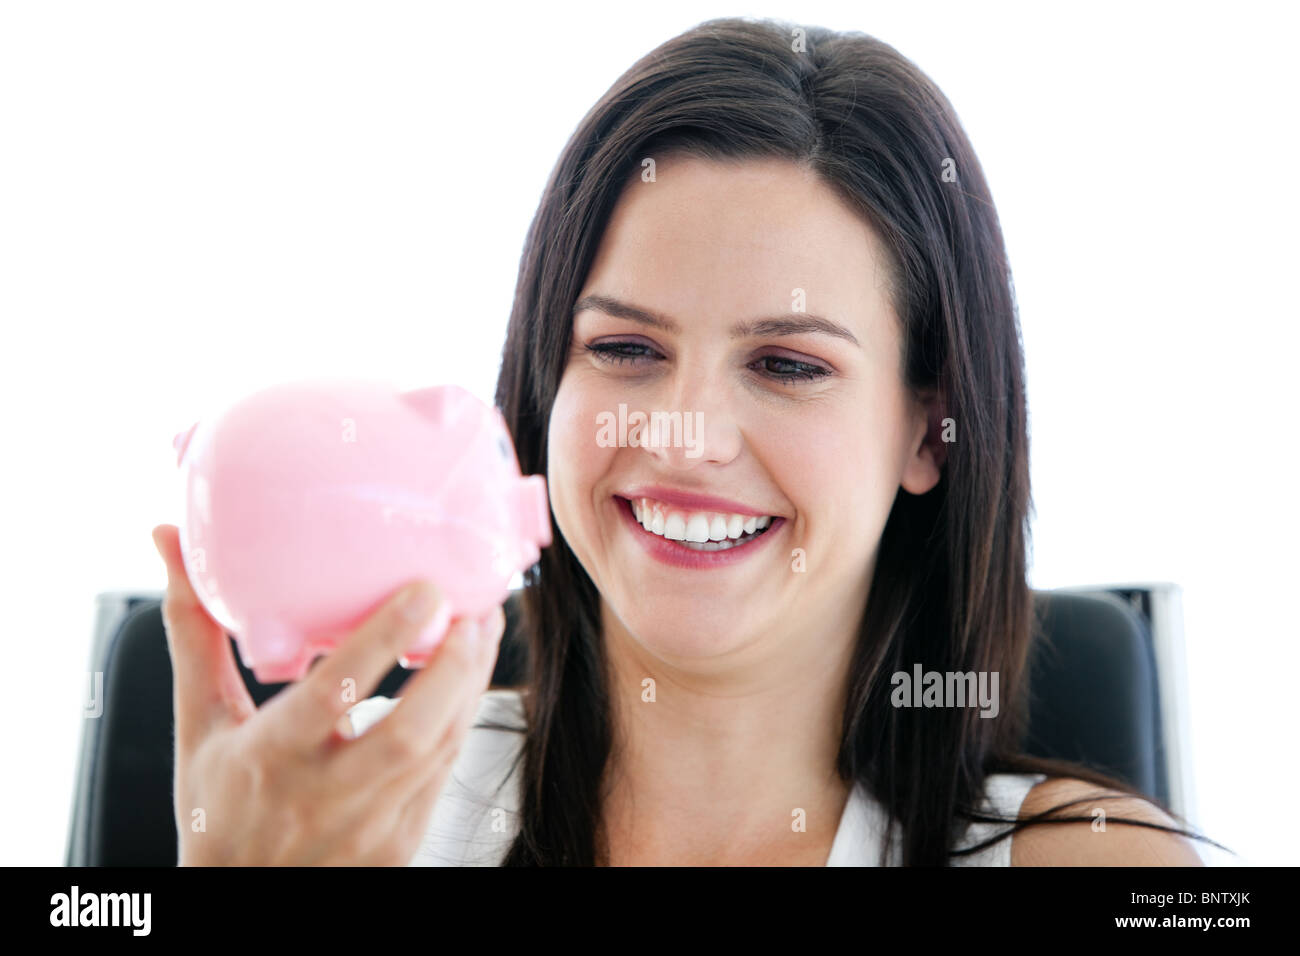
x=197 y=199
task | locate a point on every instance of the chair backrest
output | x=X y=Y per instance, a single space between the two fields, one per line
x=1094 y=690
x=1095 y=699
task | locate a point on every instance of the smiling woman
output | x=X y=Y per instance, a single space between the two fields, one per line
x=786 y=233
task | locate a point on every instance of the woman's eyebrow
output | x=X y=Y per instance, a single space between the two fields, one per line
x=796 y=323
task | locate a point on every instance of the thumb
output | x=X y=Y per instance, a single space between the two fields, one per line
x=207 y=685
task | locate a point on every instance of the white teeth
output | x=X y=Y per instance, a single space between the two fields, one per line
x=709 y=528
x=650 y=518
x=697 y=528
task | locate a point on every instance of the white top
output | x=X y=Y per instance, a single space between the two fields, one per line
x=477 y=816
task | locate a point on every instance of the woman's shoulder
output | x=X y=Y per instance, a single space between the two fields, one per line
x=489 y=754
x=496 y=738
x=1004 y=795
x=503 y=704
x=477 y=814
x=1097 y=841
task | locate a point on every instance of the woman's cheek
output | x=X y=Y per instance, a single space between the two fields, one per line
x=810 y=453
x=560 y=460
x=839 y=475
x=574 y=461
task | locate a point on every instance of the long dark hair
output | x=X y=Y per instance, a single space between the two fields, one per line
x=950 y=584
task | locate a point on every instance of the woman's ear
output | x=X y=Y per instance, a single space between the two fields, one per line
x=931 y=432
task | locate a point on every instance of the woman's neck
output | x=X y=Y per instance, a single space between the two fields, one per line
x=732 y=767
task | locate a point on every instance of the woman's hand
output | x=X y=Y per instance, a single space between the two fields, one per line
x=286 y=784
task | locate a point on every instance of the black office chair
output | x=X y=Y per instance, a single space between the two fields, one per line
x=1095 y=690
x=1095 y=699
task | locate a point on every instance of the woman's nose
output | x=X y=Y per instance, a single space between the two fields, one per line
x=697 y=427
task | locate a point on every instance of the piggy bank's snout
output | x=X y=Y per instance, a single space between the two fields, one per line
x=533 y=510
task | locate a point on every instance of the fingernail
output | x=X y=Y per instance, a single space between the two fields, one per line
x=343 y=727
x=418 y=600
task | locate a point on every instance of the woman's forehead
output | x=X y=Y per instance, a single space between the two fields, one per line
x=739 y=239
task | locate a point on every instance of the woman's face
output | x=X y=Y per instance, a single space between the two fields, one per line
x=747 y=299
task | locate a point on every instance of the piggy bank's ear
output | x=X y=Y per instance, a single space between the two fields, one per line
x=442 y=404
x=429 y=402
x=182 y=441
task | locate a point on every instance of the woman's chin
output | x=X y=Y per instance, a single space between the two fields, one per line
x=672 y=629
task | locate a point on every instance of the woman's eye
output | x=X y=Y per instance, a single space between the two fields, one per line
x=796 y=371
x=776 y=367
x=617 y=353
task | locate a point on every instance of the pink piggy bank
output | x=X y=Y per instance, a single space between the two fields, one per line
x=307 y=505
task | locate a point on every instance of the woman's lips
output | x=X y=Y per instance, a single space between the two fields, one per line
x=686 y=501
x=677 y=554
